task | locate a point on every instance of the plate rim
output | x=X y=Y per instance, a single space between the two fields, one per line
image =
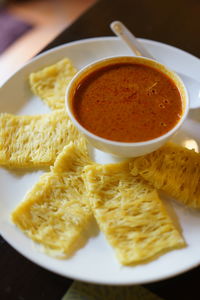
x=95 y=39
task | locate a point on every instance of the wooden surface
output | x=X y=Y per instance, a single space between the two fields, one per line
x=172 y=22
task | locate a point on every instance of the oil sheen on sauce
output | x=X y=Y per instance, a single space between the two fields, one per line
x=127 y=102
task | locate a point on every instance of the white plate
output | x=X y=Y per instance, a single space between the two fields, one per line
x=95 y=262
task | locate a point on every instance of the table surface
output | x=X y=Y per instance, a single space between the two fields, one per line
x=172 y=22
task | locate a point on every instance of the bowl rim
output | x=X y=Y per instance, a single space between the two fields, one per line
x=89 y=68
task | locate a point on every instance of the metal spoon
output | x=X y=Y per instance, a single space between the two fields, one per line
x=193 y=85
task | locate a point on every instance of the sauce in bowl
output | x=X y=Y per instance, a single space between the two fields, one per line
x=127 y=102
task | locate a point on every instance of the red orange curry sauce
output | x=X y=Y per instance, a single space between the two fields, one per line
x=127 y=102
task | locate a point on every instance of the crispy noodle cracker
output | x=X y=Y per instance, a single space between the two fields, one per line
x=173 y=169
x=34 y=141
x=130 y=213
x=55 y=212
x=50 y=83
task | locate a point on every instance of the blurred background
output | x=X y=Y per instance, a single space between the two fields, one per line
x=27 y=26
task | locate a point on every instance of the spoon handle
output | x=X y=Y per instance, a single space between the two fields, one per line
x=129 y=39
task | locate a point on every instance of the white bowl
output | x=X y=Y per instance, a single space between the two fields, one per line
x=120 y=148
